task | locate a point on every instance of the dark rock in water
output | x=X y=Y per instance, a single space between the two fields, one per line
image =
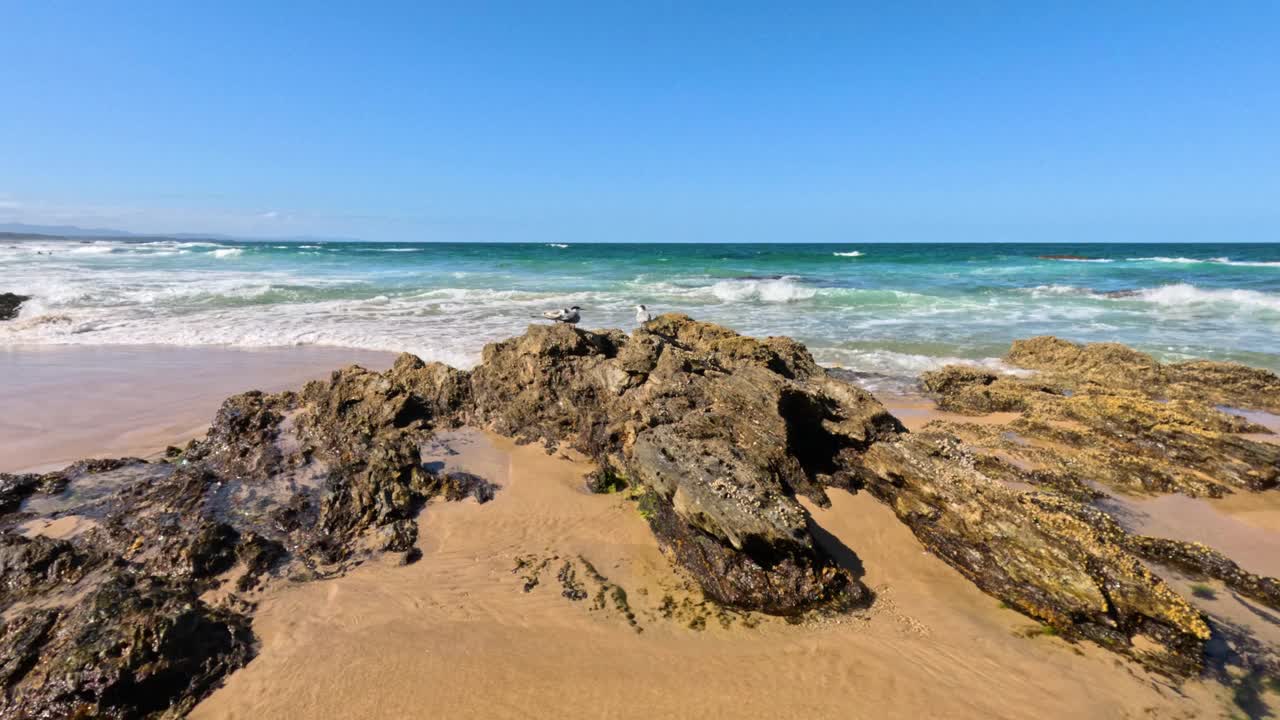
x=604 y=481
x=16 y=488
x=9 y=305
x=31 y=566
x=462 y=485
x=1198 y=560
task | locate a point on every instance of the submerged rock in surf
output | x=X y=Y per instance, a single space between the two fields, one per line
x=10 y=303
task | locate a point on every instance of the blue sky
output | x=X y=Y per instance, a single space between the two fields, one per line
x=641 y=122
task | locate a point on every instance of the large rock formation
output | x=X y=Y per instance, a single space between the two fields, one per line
x=723 y=431
x=1109 y=414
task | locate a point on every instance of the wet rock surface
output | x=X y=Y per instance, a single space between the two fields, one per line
x=10 y=303
x=145 y=607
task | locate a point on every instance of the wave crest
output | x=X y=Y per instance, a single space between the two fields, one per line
x=1208 y=261
x=1183 y=294
x=780 y=290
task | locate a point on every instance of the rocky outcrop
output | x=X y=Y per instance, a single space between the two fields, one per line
x=134 y=646
x=10 y=303
x=1118 y=367
x=117 y=620
x=721 y=431
x=1034 y=552
x=1107 y=413
x=1091 y=418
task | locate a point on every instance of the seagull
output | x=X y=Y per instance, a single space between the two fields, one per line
x=642 y=314
x=565 y=315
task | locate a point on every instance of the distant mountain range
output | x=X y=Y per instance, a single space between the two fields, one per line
x=73 y=231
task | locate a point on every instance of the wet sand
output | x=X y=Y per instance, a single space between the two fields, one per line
x=455 y=635
x=62 y=404
x=916 y=411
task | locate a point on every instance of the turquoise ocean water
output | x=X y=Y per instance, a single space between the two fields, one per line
x=890 y=311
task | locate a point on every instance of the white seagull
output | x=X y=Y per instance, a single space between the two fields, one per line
x=565 y=315
x=643 y=315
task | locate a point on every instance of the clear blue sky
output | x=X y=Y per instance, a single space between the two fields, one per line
x=602 y=121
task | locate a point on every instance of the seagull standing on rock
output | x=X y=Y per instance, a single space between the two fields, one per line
x=643 y=315
x=565 y=315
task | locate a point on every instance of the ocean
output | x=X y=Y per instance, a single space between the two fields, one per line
x=886 y=312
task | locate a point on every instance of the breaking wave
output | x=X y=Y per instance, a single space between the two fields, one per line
x=772 y=290
x=1209 y=261
x=1182 y=294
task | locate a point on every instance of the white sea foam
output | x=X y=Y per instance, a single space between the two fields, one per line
x=1183 y=295
x=113 y=296
x=557 y=245
x=400 y=250
x=1212 y=261
x=895 y=371
x=779 y=290
x=92 y=250
x=851 y=253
